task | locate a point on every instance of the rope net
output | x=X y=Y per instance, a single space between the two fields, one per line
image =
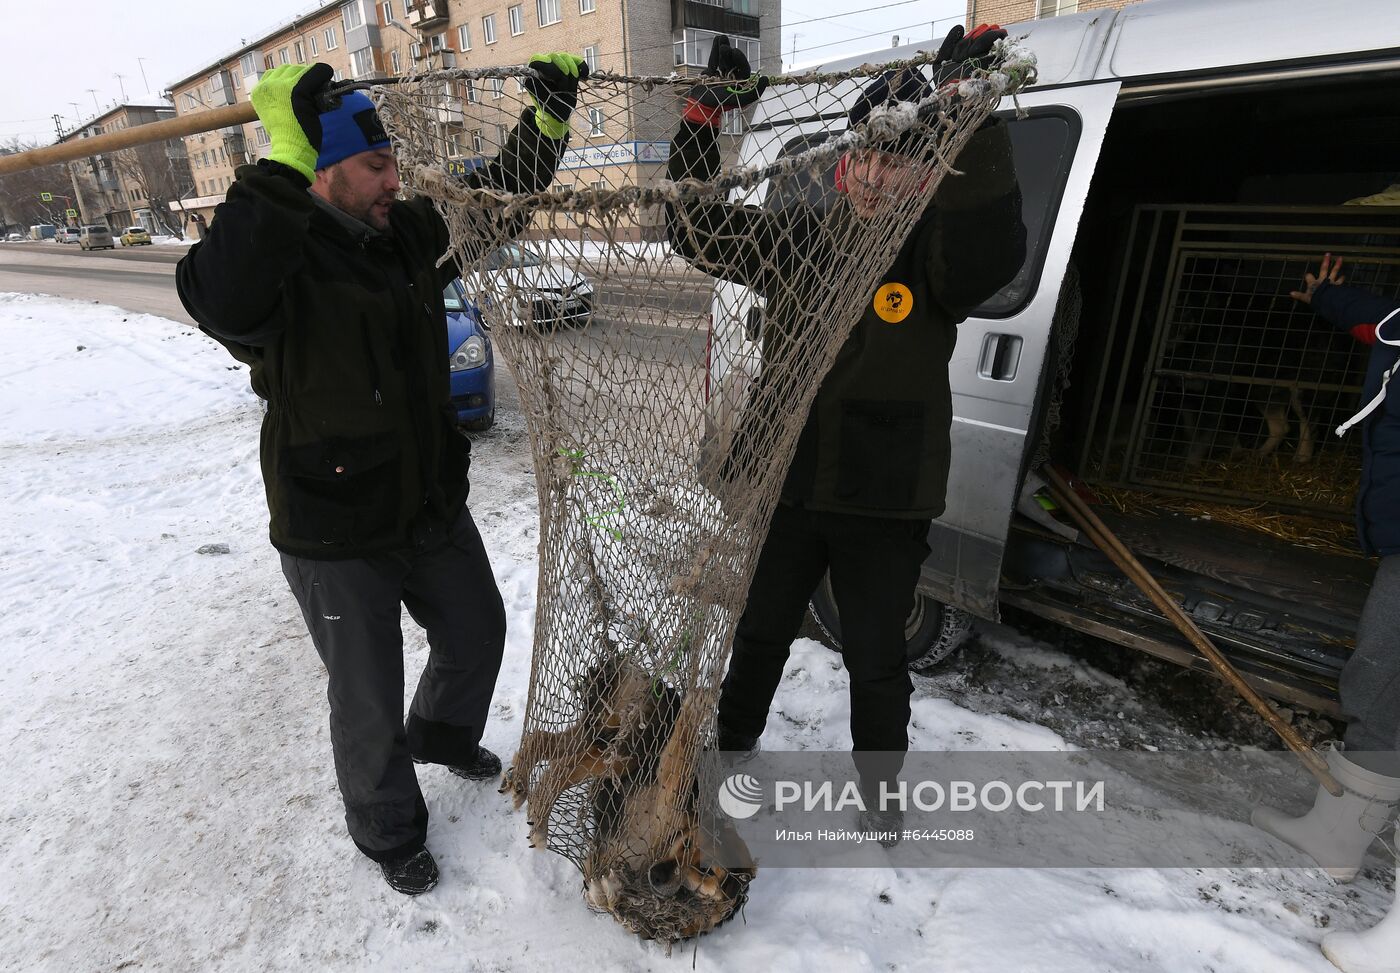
x=667 y=336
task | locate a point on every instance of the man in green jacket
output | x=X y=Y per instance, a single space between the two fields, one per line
x=327 y=286
x=871 y=465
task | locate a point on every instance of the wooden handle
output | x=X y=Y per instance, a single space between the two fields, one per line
x=1108 y=542
x=171 y=128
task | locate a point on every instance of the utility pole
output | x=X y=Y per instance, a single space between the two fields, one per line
x=72 y=173
x=121 y=83
x=792 y=61
x=141 y=61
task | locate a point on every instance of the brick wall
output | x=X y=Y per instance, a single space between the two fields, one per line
x=1016 y=11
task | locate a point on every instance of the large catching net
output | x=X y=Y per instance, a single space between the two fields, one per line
x=667 y=337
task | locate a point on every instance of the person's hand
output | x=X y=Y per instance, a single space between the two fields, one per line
x=707 y=102
x=285 y=99
x=554 y=90
x=1330 y=271
x=962 y=53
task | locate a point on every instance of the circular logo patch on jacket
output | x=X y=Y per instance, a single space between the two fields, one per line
x=893 y=302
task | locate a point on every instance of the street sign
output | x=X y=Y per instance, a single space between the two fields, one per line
x=46 y=197
x=72 y=214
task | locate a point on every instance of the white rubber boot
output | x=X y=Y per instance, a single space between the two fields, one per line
x=1338 y=830
x=1374 y=950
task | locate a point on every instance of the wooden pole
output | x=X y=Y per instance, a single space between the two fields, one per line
x=1108 y=542
x=171 y=128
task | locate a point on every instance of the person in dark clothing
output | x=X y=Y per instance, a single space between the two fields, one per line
x=871 y=466
x=1339 y=830
x=328 y=287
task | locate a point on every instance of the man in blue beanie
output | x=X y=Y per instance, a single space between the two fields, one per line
x=327 y=285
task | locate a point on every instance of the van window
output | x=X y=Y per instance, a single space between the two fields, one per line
x=1043 y=146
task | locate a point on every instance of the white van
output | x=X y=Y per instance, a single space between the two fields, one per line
x=1182 y=162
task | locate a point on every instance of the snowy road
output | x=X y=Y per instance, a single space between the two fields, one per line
x=170 y=802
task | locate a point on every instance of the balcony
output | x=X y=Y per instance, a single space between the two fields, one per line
x=710 y=16
x=428 y=15
x=441 y=60
x=450 y=111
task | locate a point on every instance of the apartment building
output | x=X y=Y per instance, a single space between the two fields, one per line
x=344 y=35
x=130 y=186
x=1016 y=11
x=623 y=143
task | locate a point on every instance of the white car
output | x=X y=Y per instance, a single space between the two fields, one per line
x=66 y=234
x=540 y=291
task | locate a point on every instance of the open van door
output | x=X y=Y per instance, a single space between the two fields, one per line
x=1001 y=358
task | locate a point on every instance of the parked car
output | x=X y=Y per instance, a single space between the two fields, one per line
x=544 y=292
x=15 y=238
x=135 y=236
x=96 y=238
x=471 y=365
x=1169 y=208
x=67 y=234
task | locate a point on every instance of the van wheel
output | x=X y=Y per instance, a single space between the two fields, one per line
x=932 y=632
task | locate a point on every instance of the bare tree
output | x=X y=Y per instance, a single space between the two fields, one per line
x=21 y=204
x=157 y=172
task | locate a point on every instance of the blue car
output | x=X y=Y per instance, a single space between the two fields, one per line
x=470 y=362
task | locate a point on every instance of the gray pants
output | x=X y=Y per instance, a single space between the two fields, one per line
x=351 y=608
x=1370 y=683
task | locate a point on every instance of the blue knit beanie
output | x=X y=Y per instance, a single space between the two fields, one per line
x=350 y=128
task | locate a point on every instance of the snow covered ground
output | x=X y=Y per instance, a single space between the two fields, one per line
x=169 y=798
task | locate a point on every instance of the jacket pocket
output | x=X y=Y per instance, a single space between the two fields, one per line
x=880 y=453
x=342 y=490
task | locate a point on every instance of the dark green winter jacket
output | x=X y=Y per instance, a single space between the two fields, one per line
x=345 y=334
x=876 y=440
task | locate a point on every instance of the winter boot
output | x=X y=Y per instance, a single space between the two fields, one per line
x=736 y=747
x=485 y=767
x=411 y=874
x=1375 y=950
x=1338 y=830
x=887 y=822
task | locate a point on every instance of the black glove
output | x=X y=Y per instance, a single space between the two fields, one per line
x=555 y=90
x=707 y=102
x=962 y=54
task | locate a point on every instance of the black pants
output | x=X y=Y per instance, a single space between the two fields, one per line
x=874 y=564
x=352 y=611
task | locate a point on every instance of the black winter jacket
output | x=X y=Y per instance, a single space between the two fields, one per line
x=1378 y=495
x=345 y=334
x=876 y=441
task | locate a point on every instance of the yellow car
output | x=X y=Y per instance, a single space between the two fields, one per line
x=134 y=236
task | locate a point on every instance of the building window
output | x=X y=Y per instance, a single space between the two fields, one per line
x=590 y=57
x=595 y=122
x=454 y=144
x=248 y=64
x=312 y=41
x=284 y=56
x=547 y=12
x=488 y=28
x=437 y=42
x=267 y=62
x=415 y=51
x=733 y=123
x=516 y=14
x=692 y=47
x=353 y=16
x=498 y=87
x=744 y=7
x=587 y=6
x=362 y=62
x=478 y=143
x=407 y=7
x=471 y=92
x=331 y=42
x=502 y=133
x=394 y=62
x=260 y=135
x=1053 y=8
x=301 y=52
x=388 y=11
x=464 y=38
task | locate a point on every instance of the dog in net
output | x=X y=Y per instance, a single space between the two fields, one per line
x=657 y=475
